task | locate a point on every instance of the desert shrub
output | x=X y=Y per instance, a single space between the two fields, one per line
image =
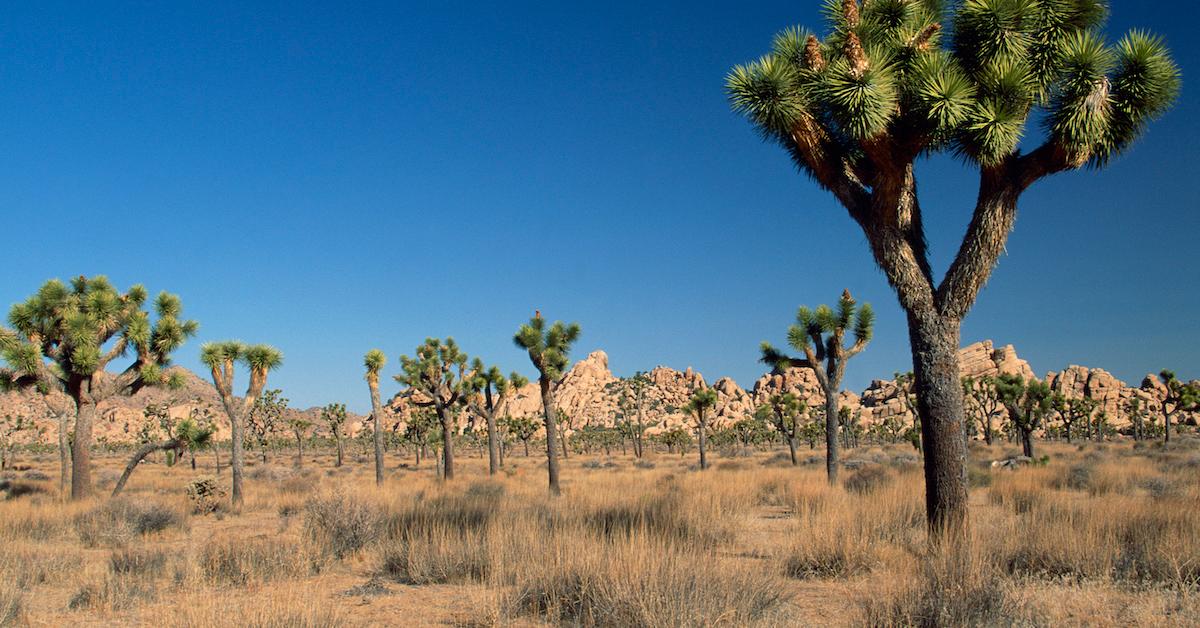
x=117 y=521
x=472 y=508
x=32 y=565
x=291 y=609
x=114 y=592
x=11 y=603
x=730 y=465
x=434 y=556
x=148 y=562
x=831 y=553
x=206 y=495
x=341 y=524
x=667 y=512
x=13 y=489
x=1077 y=478
x=951 y=586
x=867 y=480
x=1159 y=487
x=978 y=476
x=643 y=583
x=34 y=475
x=257 y=559
x=778 y=459
x=643 y=464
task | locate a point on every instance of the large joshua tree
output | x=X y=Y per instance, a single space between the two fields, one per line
x=548 y=348
x=221 y=358
x=701 y=402
x=820 y=335
x=856 y=109
x=489 y=393
x=374 y=362
x=439 y=374
x=64 y=338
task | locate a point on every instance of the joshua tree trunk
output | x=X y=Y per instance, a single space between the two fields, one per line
x=299 y=451
x=81 y=451
x=791 y=441
x=831 y=433
x=192 y=457
x=139 y=455
x=377 y=420
x=493 y=445
x=1100 y=430
x=1027 y=442
x=64 y=454
x=551 y=444
x=935 y=341
x=526 y=441
x=338 y=438
x=447 y=442
x=703 y=442
x=237 y=452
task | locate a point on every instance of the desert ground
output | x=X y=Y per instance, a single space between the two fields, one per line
x=1102 y=534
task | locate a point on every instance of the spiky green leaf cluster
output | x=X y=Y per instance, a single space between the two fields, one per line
x=548 y=347
x=884 y=69
x=258 y=357
x=701 y=401
x=437 y=369
x=80 y=328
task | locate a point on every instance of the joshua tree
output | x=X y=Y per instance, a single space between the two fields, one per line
x=856 y=110
x=784 y=411
x=1181 y=396
x=374 y=362
x=700 y=404
x=1027 y=403
x=1137 y=417
x=194 y=436
x=983 y=402
x=548 y=349
x=300 y=427
x=188 y=436
x=523 y=428
x=334 y=416
x=10 y=426
x=439 y=374
x=265 y=418
x=820 y=335
x=221 y=358
x=489 y=394
x=1072 y=410
x=63 y=339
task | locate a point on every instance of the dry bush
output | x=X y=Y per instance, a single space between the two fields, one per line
x=639 y=581
x=954 y=585
x=145 y=562
x=31 y=565
x=118 y=521
x=339 y=524
x=258 y=559
x=11 y=602
x=666 y=511
x=438 y=555
x=867 y=480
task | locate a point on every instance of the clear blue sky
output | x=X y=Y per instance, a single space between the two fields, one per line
x=332 y=178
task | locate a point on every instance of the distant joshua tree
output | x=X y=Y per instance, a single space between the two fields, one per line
x=334 y=417
x=982 y=402
x=523 y=428
x=439 y=374
x=300 y=425
x=1137 y=417
x=702 y=401
x=548 y=349
x=1181 y=396
x=221 y=358
x=784 y=411
x=10 y=426
x=64 y=338
x=632 y=402
x=490 y=392
x=888 y=86
x=374 y=362
x=820 y=335
x=265 y=419
x=1027 y=403
x=1072 y=410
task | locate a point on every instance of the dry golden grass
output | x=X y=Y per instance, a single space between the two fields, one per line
x=1103 y=535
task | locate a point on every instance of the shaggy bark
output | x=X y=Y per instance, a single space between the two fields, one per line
x=145 y=450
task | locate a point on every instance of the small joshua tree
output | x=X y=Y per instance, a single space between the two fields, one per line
x=490 y=392
x=784 y=411
x=820 y=335
x=889 y=85
x=334 y=417
x=1181 y=396
x=1137 y=417
x=186 y=436
x=300 y=427
x=632 y=402
x=702 y=401
x=982 y=402
x=1072 y=410
x=221 y=358
x=64 y=338
x=1027 y=403
x=523 y=428
x=265 y=419
x=374 y=362
x=438 y=373
x=548 y=349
